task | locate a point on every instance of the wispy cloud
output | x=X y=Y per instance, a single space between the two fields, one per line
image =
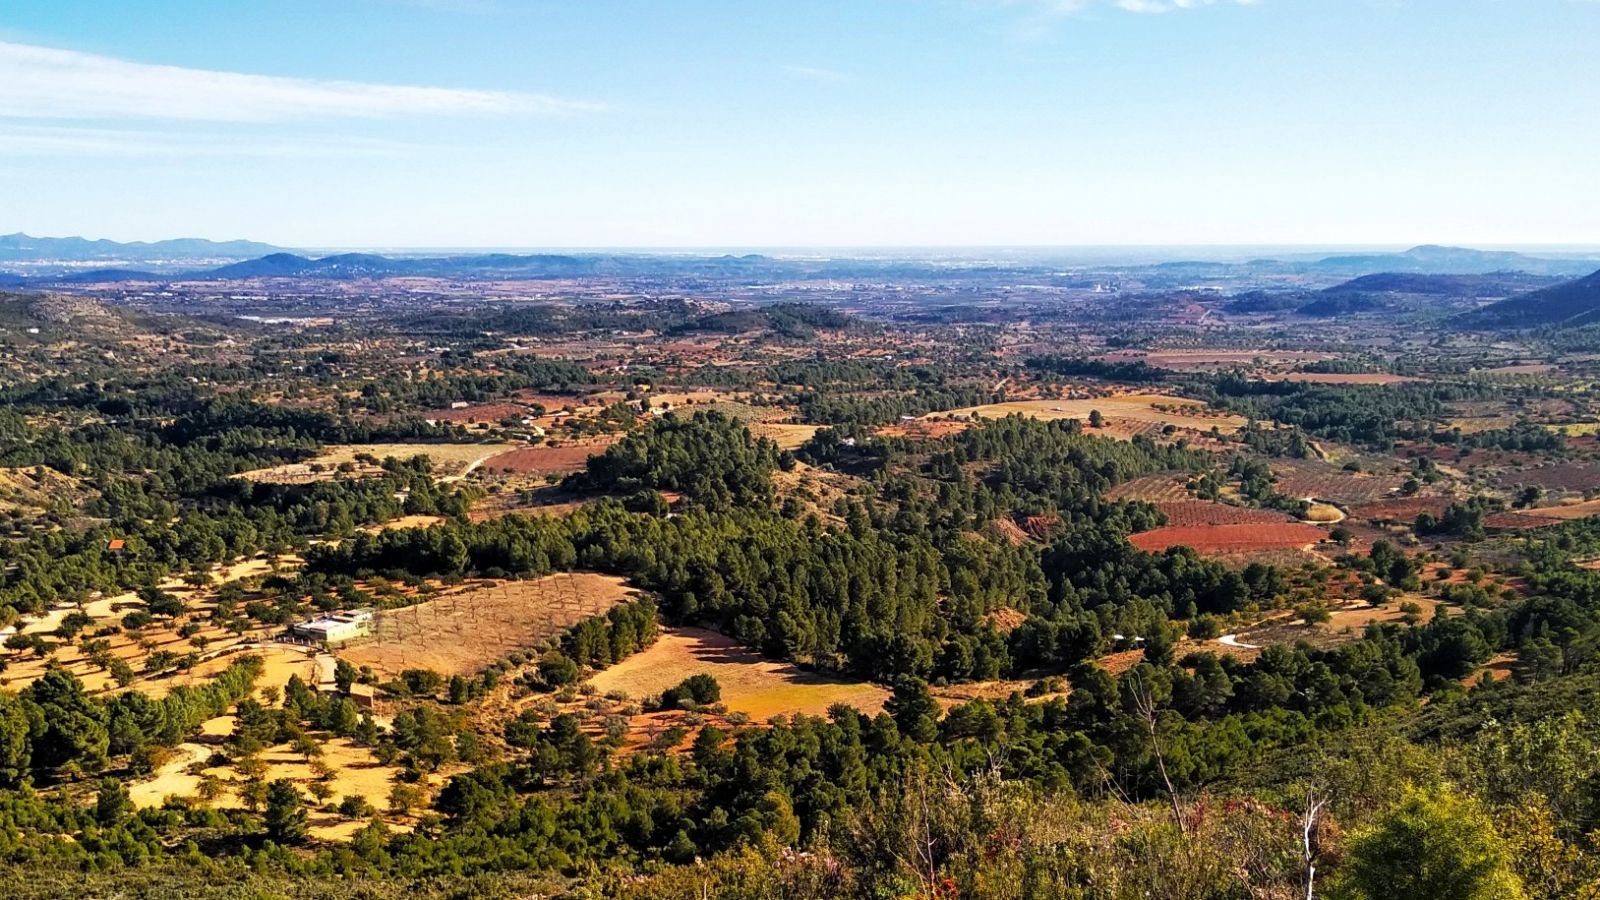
x=26 y=140
x=818 y=74
x=1067 y=7
x=47 y=83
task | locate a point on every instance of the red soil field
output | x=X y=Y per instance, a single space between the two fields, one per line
x=545 y=460
x=1189 y=513
x=486 y=412
x=1561 y=476
x=1512 y=520
x=1400 y=509
x=1230 y=538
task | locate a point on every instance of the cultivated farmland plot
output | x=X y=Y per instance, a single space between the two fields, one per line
x=462 y=633
x=1310 y=478
x=1186 y=513
x=450 y=461
x=1230 y=538
x=1162 y=487
x=1152 y=409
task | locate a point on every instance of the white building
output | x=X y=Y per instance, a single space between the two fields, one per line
x=335 y=628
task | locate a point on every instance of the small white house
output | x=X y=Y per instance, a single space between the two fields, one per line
x=335 y=628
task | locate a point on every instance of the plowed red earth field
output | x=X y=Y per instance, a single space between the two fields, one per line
x=1400 y=509
x=1230 y=538
x=545 y=460
x=1190 y=513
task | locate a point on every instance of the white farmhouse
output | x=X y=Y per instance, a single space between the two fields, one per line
x=335 y=628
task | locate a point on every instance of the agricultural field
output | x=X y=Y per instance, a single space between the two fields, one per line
x=1400 y=509
x=339 y=767
x=1149 y=409
x=412 y=521
x=97 y=639
x=1162 y=487
x=1304 y=479
x=751 y=684
x=786 y=436
x=1345 y=624
x=482 y=413
x=1191 y=513
x=923 y=429
x=464 y=630
x=1369 y=378
x=549 y=459
x=450 y=461
x=1227 y=539
x=1204 y=360
x=1542 y=516
x=1571 y=477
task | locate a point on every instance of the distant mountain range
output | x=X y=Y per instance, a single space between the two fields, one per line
x=21 y=247
x=1492 y=285
x=1570 y=304
x=542 y=265
x=1434 y=260
x=132 y=262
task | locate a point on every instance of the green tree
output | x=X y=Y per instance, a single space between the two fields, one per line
x=285 y=815
x=914 y=708
x=111 y=803
x=1431 y=846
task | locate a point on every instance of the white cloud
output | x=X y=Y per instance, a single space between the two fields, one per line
x=46 y=83
x=54 y=141
x=818 y=74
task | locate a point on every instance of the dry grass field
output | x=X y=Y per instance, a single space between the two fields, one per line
x=1202 y=359
x=1346 y=624
x=759 y=687
x=212 y=647
x=450 y=461
x=1543 y=516
x=787 y=437
x=1154 y=409
x=415 y=521
x=37 y=489
x=354 y=772
x=465 y=630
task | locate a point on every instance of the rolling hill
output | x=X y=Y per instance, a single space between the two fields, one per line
x=1496 y=284
x=21 y=247
x=1572 y=303
x=1430 y=259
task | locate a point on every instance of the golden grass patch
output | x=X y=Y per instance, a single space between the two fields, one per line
x=1158 y=409
x=450 y=461
x=751 y=684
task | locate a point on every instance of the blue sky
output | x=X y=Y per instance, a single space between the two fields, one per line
x=587 y=123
